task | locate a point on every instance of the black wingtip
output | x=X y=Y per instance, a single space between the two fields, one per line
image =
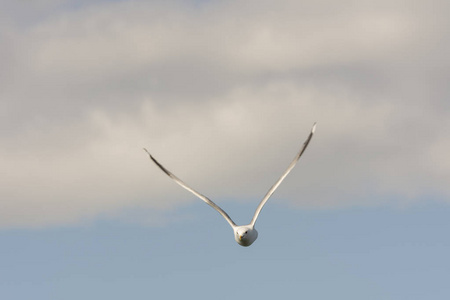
x=145 y=149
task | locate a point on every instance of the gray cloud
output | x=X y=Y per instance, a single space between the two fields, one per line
x=223 y=94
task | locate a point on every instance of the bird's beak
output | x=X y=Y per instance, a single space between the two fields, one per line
x=240 y=237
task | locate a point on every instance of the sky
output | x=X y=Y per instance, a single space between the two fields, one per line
x=224 y=93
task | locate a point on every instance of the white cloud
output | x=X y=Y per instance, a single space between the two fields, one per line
x=223 y=95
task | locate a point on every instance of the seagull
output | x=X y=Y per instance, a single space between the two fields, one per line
x=244 y=235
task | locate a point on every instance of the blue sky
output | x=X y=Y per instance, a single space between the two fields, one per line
x=223 y=93
x=345 y=254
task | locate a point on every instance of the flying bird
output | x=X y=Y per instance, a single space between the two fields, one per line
x=244 y=235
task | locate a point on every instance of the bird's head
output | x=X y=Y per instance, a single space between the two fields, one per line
x=245 y=235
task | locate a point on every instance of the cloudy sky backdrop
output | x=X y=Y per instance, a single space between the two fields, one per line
x=223 y=93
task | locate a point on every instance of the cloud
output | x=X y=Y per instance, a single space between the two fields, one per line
x=223 y=94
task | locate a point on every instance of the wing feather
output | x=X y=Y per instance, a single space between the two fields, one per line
x=184 y=185
x=275 y=186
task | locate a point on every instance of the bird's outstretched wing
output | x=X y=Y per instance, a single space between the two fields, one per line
x=274 y=187
x=184 y=185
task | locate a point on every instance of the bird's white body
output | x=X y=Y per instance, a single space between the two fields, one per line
x=244 y=235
